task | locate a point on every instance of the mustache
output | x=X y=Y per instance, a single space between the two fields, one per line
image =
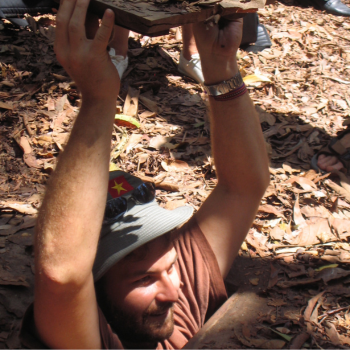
x=161 y=309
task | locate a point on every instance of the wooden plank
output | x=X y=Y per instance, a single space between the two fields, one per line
x=150 y=19
x=219 y=331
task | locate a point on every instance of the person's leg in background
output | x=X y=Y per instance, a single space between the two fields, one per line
x=14 y=10
x=253 y=33
x=118 y=45
x=189 y=59
x=189 y=63
x=334 y=7
x=119 y=49
x=255 y=37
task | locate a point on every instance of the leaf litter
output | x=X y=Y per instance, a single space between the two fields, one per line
x=300 y=236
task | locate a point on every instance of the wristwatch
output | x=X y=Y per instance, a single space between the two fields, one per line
x=225 y=86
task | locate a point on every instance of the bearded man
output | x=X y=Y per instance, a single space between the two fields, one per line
x=112 y=268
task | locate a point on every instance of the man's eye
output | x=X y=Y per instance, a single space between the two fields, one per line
x=143 y=280
x=171 y=268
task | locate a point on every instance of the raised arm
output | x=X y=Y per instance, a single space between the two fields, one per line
x=69 y=222
x=238 y=147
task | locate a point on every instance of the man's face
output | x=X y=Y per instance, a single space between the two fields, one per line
x=141 y=294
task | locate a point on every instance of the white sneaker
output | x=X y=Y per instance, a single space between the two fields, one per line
x=192 y=68
x=120 y=62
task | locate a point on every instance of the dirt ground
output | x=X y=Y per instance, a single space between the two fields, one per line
x=296 y=255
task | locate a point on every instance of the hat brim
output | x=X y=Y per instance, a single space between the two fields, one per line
x=139 y=225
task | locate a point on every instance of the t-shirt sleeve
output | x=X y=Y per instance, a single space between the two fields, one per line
x=109 y=340
x=31 y=340
x=199 y=270
x=28 y=334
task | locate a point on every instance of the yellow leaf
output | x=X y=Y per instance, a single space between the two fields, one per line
x=127 y=121
x=255 y=78
x=113 y=167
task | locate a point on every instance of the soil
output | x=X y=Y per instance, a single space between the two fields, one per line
x=296 y=255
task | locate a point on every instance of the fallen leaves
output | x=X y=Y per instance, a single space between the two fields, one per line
x=23 y=208
x=245 y=337
x=300 y=89
x=6 y=105
x=266 y=208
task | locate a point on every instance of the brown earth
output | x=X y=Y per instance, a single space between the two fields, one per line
x=297 y=252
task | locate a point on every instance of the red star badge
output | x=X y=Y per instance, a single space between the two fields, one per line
x=118 y=186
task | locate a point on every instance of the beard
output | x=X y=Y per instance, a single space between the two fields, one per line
x=142 y=328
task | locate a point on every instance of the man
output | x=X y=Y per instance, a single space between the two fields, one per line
x=156 y=286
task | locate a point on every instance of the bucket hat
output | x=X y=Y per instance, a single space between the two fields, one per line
x=138 y=225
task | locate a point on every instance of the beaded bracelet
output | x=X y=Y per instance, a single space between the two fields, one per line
x=232 y=94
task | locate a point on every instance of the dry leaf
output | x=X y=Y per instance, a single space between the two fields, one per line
x=178 y=165
x=340 y=226
x=265 y=116
x=159 y=141
x=297 y=216
x=276 y=302
x=303 y=182
x=332 y=333
x=277 y=233
x=6 y=105
x=254 y=281
x=151 y=105
x=313 y=232
x=266 y=208
x=175 y=204
x=23 y=208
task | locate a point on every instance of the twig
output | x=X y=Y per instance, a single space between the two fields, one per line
x=334 y=311
x=167 y=186
x=336 y=79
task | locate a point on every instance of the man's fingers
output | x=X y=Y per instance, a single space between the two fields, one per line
x=63 y=17
x=77 y=22
x=104 y=32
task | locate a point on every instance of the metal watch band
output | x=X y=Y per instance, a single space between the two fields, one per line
x=225 y=86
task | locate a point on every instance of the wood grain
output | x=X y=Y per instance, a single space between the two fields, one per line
x=150 y=19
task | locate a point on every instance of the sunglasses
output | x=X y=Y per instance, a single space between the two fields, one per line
x=142 y=194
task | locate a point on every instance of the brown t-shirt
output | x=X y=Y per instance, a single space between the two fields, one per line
x=201 y=295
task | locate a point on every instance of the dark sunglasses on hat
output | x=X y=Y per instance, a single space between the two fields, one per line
x=143 y=194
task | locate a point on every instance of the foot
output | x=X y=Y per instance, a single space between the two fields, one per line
x=120 y=62
x=191 y=68
x=262 y=42
x=335 y=7
x=330 y=163
x=19 y=22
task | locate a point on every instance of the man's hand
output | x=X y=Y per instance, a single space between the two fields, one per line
x=86 y=61
x=217 y=46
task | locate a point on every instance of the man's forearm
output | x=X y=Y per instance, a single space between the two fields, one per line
x=71 y=215
x=238 y=146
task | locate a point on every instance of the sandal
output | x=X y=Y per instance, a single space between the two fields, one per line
x=334 y=148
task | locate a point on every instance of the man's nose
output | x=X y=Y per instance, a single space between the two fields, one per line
x=168 y=289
